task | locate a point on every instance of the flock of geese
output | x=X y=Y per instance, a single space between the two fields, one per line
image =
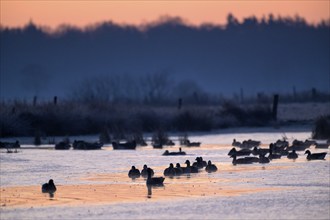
x=172 y=171
x=275 y=151
x=242 y=156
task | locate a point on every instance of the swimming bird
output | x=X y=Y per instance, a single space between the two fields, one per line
x=204 y=163
x=192 y=168
x=292 y=155
x=170 y=171
x=192 y=144
x=186 y=170
x=272 y=155
x=210 y=167
x=154 y=180
x=48 y=187
x=300 y=145
x=258 y=151
x=199 y=163
x=243 y=152
x=178 y=169
x=244 y=160
x=134 y=173
x=62 y=146
x=315 y=156
x=144 y=171
x=250 y=144
x=180 y=152
x=236 y=143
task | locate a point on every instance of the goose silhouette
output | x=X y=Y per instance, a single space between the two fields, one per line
x=144 y=171
x=178 y=169
x=243 y=152
x=244 y=160
x=315 y=156
x=292 y=155
x=134 y=173
x=191 y=168
x=158 y=181
x=210 y=167
x=170 y=171
x=48 y=187
x=258 y=151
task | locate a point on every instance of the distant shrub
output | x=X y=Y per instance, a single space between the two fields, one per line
x=322 y=128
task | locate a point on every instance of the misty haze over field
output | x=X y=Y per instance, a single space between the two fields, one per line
x=269 y=55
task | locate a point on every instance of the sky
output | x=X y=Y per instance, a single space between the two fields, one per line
x=52 y=13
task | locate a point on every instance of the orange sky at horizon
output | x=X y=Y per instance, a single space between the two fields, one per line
x=17 y=13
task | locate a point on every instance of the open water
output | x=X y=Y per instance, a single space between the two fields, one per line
x=303 y=187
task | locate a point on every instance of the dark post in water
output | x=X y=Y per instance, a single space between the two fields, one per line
x=275 y=104
x=55 y=100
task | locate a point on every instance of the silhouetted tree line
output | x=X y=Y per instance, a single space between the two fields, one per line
x=272 y=53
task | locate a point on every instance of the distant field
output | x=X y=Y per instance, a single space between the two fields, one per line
x=302 y=111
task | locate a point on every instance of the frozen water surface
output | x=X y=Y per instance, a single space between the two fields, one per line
x=301 y=187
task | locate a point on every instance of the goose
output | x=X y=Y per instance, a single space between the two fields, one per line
x=300 y=145
x=180 y=152
x=236 y=143
x=62 y=146
x=128 y=145
x=192 y=144
x=154 y=180
x=292 y=155
x=178 y=169
x=170 y=171
x=199 y=163
x=144 y=171
x=250 y=144
x=48 y=187
x=204 y=163
x=273 y=156
x=243 y=152
x=258 y=151
x=210 y=167
x=252 y=159
x=244 y=160
x=315 y=156
x=192 y=168
x=134 y=173
x=83 y=145
x=263 y=159
x=186 y=170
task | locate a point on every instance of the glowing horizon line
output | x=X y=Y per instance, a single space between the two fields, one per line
x=160 y=20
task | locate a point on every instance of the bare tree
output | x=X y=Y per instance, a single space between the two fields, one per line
x=156 y=87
